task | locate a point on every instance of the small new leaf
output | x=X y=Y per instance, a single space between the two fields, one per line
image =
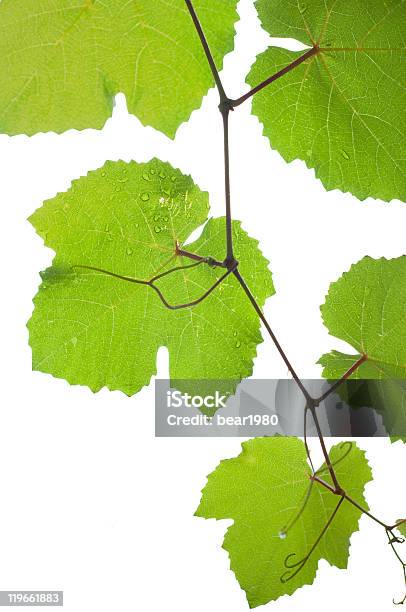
x=62 y=63
x=93 y=328
x=262 y=490
x=342 y=111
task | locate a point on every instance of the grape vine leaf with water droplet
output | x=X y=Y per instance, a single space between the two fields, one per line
x=97 y=330
x=366 y=307
x=262 y=490
x=343 y=110
x=61 y=63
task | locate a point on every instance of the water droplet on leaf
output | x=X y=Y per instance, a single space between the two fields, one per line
x=145 y=196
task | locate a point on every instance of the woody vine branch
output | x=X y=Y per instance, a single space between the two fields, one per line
x=226 y=106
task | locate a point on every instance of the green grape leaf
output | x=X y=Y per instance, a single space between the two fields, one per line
x=342 y=111
x=98 y=330
x=263 y=490
x=366 y=308
x=402 y=527
x=62 y=63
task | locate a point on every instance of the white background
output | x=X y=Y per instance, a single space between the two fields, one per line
x=91 y=503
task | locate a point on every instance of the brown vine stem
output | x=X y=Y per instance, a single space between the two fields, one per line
x=209 y=260
x=339 y=382
x=226 y=105
x=312 y=408
x=225 y=108
x=225 y=113
x=272 y=335
x=206 y=49
x=310 y=53
x=305 y=413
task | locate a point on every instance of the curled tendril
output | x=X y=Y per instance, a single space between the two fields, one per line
x=288 y=575
x=396 y=540
x=302 y=508
x=299 y=565
x=151 y=281
x=346 y=443
x=392 y=540
x=306 y=410
x=399 y=603
x=308 y=491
